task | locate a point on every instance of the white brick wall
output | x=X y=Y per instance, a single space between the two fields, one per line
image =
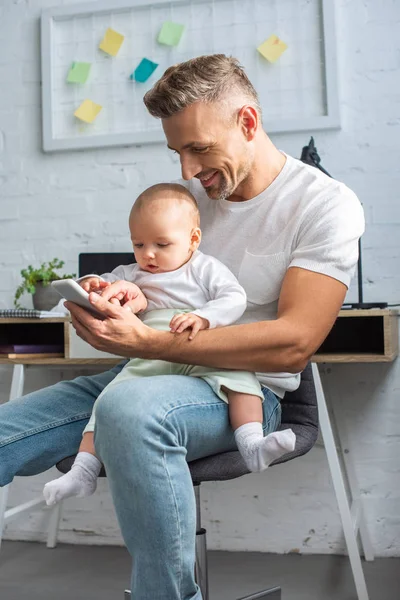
x=61 y=204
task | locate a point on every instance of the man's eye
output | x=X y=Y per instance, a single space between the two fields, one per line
x=201 y=150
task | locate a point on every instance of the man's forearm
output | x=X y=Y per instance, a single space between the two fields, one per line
x=267 y=346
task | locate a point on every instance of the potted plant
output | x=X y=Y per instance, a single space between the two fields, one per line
x=37 y=282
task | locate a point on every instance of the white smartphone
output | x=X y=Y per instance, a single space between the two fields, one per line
x=72 y=291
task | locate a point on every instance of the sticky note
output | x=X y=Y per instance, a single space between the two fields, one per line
x=111 y=42
x=272 y=48
x=170 y=33
x=144 y=69
x=79 y=72
x=88 y=111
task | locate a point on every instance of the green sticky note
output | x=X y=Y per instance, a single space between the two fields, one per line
x=144 y=70
x=170 y=33
x=79 y=72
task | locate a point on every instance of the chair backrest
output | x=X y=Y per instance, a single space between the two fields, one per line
x=299 y=412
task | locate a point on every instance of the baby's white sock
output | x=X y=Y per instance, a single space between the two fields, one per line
x=80 y=481
x=258 y=451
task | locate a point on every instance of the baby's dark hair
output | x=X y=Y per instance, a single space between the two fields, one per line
x=171 y=191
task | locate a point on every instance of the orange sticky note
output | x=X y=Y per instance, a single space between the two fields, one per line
x=87 y=111
x=272 y=48
x=111 y=42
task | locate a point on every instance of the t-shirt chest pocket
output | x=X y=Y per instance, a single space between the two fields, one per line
x=262 y=276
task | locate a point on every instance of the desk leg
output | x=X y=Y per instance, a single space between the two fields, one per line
x=341 y=430
x=17 y=388
x=53 y=525
x=346 y=516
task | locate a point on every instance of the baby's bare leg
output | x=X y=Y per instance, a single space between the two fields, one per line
x=81 y=480
x=243 y=408
x=246 y=416
x=87 y=443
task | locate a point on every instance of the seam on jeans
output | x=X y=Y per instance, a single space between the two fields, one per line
x=178 y=525
x=53 y=425
x=220 y=403
x=170 y=410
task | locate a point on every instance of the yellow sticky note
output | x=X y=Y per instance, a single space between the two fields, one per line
x=111 y=42
x=272 y=48
x=88 y=111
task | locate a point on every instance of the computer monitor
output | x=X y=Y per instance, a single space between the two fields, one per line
x=103 y=262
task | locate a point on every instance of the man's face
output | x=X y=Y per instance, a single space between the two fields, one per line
x=211 y=146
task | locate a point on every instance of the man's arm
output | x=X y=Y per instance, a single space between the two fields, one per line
x=308 y=306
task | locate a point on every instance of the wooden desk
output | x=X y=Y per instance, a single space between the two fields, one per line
x=357 y=336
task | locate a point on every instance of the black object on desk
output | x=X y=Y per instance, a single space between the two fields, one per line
x=310 y=156
x=103 y=262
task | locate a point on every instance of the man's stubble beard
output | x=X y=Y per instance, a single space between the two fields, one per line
x=227 y=190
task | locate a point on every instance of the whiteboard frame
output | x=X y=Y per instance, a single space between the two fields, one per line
x=329 y=121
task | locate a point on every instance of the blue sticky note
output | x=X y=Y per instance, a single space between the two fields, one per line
x=144 y=69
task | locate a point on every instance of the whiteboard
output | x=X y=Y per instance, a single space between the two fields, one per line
x=297 y=93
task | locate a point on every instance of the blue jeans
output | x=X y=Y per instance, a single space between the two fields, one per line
x=146 y=431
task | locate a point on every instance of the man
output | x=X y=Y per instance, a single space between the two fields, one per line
x=289 y=234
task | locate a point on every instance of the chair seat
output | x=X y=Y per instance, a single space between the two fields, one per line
x=299 y=412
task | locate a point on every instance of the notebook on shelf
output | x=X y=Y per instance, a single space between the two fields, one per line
x=31 y=350
x=28 y=313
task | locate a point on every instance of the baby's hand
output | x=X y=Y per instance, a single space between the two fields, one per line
x=93 y=284
x=126 y=294
x=188 y=321
x=138 y=304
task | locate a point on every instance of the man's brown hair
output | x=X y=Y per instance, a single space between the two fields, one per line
x=209 y=78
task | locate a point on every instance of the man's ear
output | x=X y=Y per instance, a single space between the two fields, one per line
x=249 y=121
x=195 y=238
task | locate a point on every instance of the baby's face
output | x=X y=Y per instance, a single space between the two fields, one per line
x=162 y=239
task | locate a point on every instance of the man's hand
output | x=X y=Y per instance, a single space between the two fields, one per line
x=185 y=321
x=119 y=332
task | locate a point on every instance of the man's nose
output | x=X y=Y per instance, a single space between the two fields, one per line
x=190 y=167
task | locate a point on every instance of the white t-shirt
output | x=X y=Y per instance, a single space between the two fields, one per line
x=303 y=219
x=203 y=283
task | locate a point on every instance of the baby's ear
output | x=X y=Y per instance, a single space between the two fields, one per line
x=195 y=238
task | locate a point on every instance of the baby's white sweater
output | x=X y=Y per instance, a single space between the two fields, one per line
x=203 y=284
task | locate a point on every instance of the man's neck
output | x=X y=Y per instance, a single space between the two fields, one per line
x=268 y=163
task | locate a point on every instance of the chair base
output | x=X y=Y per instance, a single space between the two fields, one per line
x=272 y=594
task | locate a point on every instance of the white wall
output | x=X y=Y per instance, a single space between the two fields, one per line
x=62 y=204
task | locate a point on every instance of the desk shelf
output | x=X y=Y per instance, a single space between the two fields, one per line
x=25 y=331
x=361 y=336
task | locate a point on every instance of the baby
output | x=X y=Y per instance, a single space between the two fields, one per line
x=173 y=286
